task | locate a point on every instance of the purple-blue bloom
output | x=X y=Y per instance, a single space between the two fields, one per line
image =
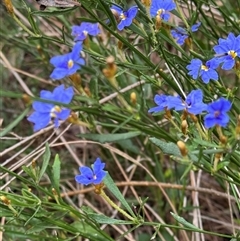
x=227 y=50
x=92 y=175
x=162 y=103
x=67 y=64
x=126 y=17
x=193 y=103
x=217 y=113
x=180 y=34
x=161 y=8
x=81 y=32
x=206 y=72
x=45 y=112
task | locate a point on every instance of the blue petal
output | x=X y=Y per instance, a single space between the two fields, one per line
x=117 y=9
x=75 y=54
x=98 y=165
x=195 y=27
x=63 y=95
x=42 y=107
x=156 y=109
x=59 y=73
x=83 y=180
x=64 y=114
x=132 y=12
x=40 y=120
x=86 y=171
x=175 y=102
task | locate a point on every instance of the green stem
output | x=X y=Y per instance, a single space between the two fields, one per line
x=108 y=200
x=24 y=27
x=181 y=14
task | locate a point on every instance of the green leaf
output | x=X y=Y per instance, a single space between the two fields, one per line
x=53 y=12
x=108 y=181
x=184 y=222
x=56 y=173
x=29 y=171
x=46 y=158
x=167 y=148
x=100 y=218
x=102 y=138
x=90 y=232
x=14 y=123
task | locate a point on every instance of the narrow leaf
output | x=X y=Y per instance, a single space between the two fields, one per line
x=102 y=138
x=46 y=158
x=108 y=181
x=167 y=148
x=56 y=173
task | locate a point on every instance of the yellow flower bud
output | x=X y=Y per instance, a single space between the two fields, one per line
x=133 y=98
x=9 y=6
x=147 y=3
x=5 y=200
x=182 y=147
x=184 y=127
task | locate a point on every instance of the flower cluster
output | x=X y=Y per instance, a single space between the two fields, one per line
x=92 y=175
x=193 y=104
x=227 y=51
x=65 y=65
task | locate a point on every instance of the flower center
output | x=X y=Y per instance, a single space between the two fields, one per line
x=70 y=63
x=232 y=53
x=204 y=67
x=85 y=32
x=216 y=113
x=123 y=16
x=54 y=110
x=160 y=11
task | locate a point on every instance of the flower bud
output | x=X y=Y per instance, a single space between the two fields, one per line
x=5 y=200
x=87 y=91
x=147 y=3
x=120 y=44
x=182 y=147
x=9 y=6
x=98 y=188
x=133 y=98
x=168 y=114
x=76 y=79
x=194 y=118
x=184 y=127
x=158 y=23
x=111 y=69
x=26 y=98
x=238 y=128
x=223 y=139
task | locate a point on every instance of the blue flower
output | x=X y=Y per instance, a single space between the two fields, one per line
x=161 y=8
x=193 y=103
x=81 y=32
x=217 y=113
x=162 y=103
x=45 y=112
x=206 y=72
x=126 y=17
x=92 y=176
x=227 y=50
x=67 y=64
x=180 y=34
